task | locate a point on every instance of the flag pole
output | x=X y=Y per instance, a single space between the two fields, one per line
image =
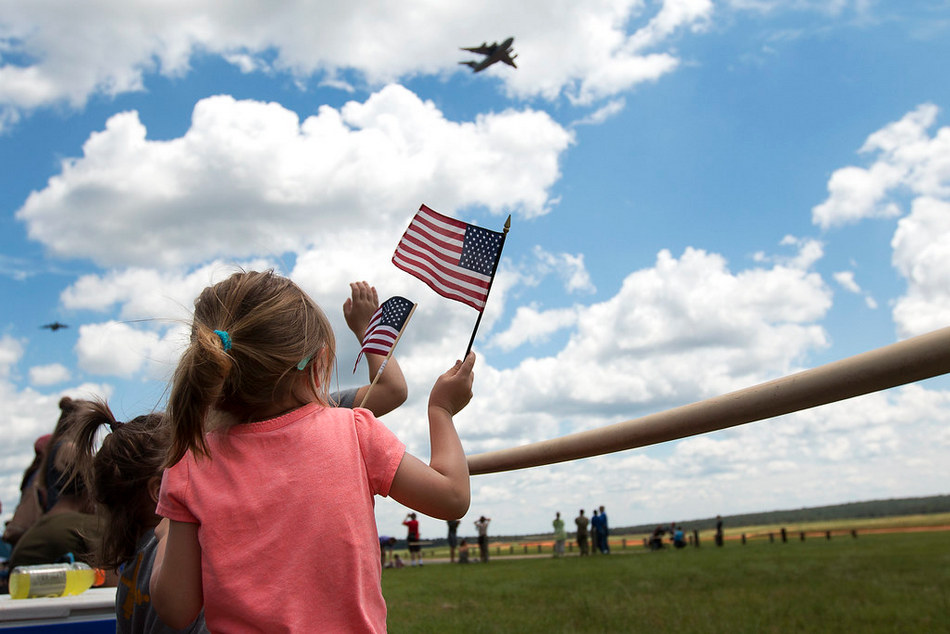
x=478 y=321
x=389 y=355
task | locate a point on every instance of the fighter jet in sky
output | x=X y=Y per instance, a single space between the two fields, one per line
x=54 y=326
x=494 y=53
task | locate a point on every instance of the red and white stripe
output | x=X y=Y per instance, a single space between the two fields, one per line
x=431 y=249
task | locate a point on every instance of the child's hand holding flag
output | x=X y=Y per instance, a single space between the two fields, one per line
x=385 y=327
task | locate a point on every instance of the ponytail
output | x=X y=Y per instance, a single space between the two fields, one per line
x=197 y=386
x=118 y=475
x=87 y=418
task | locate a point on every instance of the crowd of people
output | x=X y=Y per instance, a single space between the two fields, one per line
x=458 y=549
x=593 y=540
x=178 y=506
x=591 y=533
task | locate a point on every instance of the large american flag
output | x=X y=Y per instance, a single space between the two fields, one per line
x=384 y=327
x=457 y=260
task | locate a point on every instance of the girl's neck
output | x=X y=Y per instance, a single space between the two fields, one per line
x=295 y=398
x=276 y=411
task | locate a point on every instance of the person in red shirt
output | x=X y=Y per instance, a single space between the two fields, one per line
x=415 y=549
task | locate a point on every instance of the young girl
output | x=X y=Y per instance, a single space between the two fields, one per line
x=124 y=478
x=255 y=503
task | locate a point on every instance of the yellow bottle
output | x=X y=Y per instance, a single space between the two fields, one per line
x=50 y=580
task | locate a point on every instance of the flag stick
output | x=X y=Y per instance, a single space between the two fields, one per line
x=392 y=348
x=478 y=321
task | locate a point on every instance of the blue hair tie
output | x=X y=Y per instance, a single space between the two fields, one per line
x=225 y=339
x=303 y=362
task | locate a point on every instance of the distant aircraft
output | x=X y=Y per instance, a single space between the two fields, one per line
x=494 y=53
x=54 y=326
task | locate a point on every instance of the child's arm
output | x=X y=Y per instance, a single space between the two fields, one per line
x=175 y=586
x=390 y=390
x=441 y=488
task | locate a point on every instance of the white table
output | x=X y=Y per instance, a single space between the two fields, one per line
x=91 y=611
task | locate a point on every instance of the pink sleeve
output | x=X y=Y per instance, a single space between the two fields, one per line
x=382 y=451
x=172 y=498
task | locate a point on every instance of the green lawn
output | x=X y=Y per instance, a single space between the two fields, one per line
x=876 y=583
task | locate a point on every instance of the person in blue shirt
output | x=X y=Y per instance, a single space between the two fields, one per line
x=679 y=539
x=601 y=531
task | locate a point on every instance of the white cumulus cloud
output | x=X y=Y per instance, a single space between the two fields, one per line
x=249 y=178
x=66 y=54
x=909 y=177
x=51 y=374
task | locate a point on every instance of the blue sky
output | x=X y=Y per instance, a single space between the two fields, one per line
x=704 y=196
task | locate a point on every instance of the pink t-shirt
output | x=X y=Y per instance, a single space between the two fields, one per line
x=285 y=518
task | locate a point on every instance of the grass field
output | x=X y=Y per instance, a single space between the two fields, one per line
x=897 y=582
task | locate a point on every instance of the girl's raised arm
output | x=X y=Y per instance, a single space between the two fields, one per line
x=176 y=575
x=441 y=488
x=391 y=390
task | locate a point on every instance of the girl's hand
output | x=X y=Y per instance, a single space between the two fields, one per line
x=358 y=309
x=441 y=488
x=453 y=390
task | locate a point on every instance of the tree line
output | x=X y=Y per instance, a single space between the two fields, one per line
x=851 y=510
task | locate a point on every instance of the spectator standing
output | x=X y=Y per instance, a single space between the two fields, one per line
x=412 y=538
x=560 y=535
x=603 y=532
x=595 y=532
x=481 y=525
x=581 y=521
x=453 y=538
x=719 y=530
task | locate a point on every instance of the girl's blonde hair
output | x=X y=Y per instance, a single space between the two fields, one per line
x=119 y=474
x=251 y=336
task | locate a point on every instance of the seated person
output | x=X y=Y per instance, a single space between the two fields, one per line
x=386 y=545
x=70 y=526
x=30 y=507
x=679 y=539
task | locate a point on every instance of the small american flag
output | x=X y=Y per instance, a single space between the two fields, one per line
x=457 y=260
x=384 y=327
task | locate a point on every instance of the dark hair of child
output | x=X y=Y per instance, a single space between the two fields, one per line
x=122 y=476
